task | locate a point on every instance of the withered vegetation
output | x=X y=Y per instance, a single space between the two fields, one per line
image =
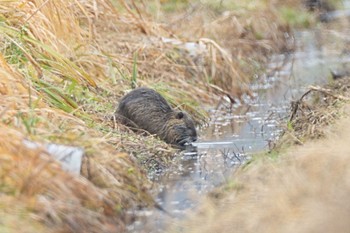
x=316 y=109
x=63 y=66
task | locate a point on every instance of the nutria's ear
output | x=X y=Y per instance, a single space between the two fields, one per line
x=179 y=115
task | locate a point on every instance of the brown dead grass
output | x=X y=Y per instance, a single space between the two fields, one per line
x=235 y=39
x=63 y=66
x=318 y=108
x=31 y=180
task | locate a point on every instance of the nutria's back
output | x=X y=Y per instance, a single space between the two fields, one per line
x=146 y=109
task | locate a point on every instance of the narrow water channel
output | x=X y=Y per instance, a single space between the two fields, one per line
x=236 y=132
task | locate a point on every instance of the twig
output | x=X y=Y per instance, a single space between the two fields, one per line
x=296 y=138
x=328 y=92
x=319 y=89
x=296 y=106
x=36 y=11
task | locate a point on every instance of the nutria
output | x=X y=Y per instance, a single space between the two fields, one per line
x=146 y=109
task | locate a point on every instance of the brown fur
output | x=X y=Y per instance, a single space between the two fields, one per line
x=146 y=109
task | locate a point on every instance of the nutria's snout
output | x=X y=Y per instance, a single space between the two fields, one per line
x=187 y=140
x=193 y=138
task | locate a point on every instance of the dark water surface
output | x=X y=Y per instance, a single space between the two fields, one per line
x=236 y=132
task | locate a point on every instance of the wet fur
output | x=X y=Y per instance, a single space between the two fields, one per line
x=146 y=109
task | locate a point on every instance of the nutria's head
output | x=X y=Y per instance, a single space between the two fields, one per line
x=179 y=129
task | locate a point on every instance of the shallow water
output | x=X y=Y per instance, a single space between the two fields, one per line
x=237 y=131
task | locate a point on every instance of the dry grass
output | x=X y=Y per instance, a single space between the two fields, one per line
x=37 y=187
x=31 y=180
x=235 y=36
x=63 y=66
x=315 y=110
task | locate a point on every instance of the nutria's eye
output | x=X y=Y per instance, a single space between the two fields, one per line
x=179 y=115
